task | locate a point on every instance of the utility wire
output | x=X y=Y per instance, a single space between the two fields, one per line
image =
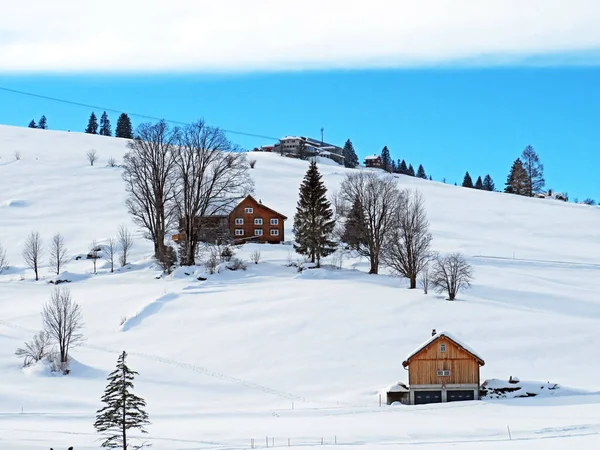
x=141 y=116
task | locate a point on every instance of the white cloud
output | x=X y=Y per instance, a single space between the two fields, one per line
x=234 y=35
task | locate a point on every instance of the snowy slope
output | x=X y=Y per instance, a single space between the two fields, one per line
x=222 y=361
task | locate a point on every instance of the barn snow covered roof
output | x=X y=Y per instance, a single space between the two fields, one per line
x=435 y=338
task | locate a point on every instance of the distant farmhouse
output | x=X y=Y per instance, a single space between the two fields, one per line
x=373 y=161
x=440 y=370
x=249 y=221
x=304 y=147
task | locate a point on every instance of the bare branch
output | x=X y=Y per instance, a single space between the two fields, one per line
x=92 y=156
x=58 y=253
x=125 y=241
x=451 y=273
x=255 y=256
x=94 y=253
x=35 y=350
x=32 y=252
x=3 y=259
x=110 y=251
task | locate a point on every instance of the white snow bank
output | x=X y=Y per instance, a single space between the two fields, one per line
x=499 y=389
x=16 y=203
x=148 y=310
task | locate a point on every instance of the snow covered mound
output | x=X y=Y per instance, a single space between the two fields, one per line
x=495 y=388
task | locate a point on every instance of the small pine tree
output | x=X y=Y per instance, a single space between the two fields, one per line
x=430 y=178
x=124 y=127
x=124 y=410
x=32 y=124
x=467 y=181
x=355 y=226
x=479 y=183
x=488 y=183
x=313 y=222
x=410 y=171
x=105 y=129
x=517 y=180
x=386 y=159
x=43 y=123
x=403 y=168
x=92 y=127
x=350 y=158
x=421 y=172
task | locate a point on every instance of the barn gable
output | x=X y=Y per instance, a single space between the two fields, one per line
x=428 y=351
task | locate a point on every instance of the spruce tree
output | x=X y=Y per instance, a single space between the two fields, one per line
x=479 y=183
x=488 y=183
x=403 y=169
x=105 y=129
x=430 y=178
x=43 y=123
x=313 y=222
x=397 y=166
x=534 y=169
x=386 y=159
x=393 y=167
x=355 y=227
x=92 y=127
x=32 y=124
x=410 y=171
x=350 y=158
x=467 y=181
x=124 y=127
x=516 y=182
x=421 y=172
x=123 y=411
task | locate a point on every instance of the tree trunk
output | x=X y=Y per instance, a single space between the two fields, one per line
x=374 y=265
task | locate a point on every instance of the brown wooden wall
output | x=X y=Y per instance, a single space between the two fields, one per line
x=260 y=211
x=423 y=367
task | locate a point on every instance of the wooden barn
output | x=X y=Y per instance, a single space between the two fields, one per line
x=440 y=370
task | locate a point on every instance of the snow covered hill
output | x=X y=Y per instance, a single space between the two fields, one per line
x=270 y=352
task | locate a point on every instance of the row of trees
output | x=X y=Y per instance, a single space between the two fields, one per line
x=389 y=165
x=381 y=222
x=42 y=123
x=487 y=184
x=526 y=176
x=124 y=127
x=58 y=254
x=174 y=175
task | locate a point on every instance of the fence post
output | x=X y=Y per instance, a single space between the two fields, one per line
x=380 y=400
x=321 y=441
x=267 y=441
x=509 y=435
x=288 y=442
x=335 y=440
x=273 y=442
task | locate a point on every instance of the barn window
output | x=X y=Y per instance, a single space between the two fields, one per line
x=443 y=373
x=443 y=348
x=248 y=210
x=239 y=221
x=258 y=221
x=274 y=232
x=239 y=232
x=258 y=232
x=274 y=221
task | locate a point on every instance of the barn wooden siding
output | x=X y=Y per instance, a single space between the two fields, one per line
x=423 y=367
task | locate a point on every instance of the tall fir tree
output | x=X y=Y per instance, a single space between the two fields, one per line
x=393 y=167
x=403 y=169
x=488 y=183
x=410 y=171
x=516 y=182
x=43 y=123
x=350 y=158
x=123 y=411
x=124 y=127
x=32 y=124
x=467 y=181
x=386 y=159
x=355 y=226
x=534 y=169
x=421 y=172
x=92 y=127
x=105 y=129
x=479 y=183
x=313 y=222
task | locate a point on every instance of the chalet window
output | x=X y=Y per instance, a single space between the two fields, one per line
x=443 y=348
x=258 y=232
x=239 y=221
x=258 y=221
x=249 y=210
x=443 y=373
x=274 y=221
x=274 y=232
x=239 y=232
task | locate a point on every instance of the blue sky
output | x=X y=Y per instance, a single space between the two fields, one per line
x=449 y=120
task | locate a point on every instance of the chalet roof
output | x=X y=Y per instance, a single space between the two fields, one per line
x=266 y=207
x=448 y=336
x=372 y=157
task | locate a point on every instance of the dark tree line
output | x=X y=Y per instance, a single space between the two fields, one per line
x=487 y=184
x=400 y=166
x=42 y=123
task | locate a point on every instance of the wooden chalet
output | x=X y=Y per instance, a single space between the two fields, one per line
x=249 y=221
x=440 y=370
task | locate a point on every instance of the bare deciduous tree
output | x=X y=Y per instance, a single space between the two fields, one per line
x=112 y=162
x=32 y=253
x=534 y=180
x=255 y=256
x=451 y=273
x=407 y=248
x=58 y=253
x=3 y=259
x=378 y=199
x=110 y=251
x=92 y=156
x=17 y=155
x=425 y=279
x=94 y=253
x=63 y=322
x=125 y=240
x=211 y=178
x=252 y=163
x=149 y=177
x=35 y=350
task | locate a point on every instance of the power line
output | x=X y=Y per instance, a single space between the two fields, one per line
x=141 y=116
